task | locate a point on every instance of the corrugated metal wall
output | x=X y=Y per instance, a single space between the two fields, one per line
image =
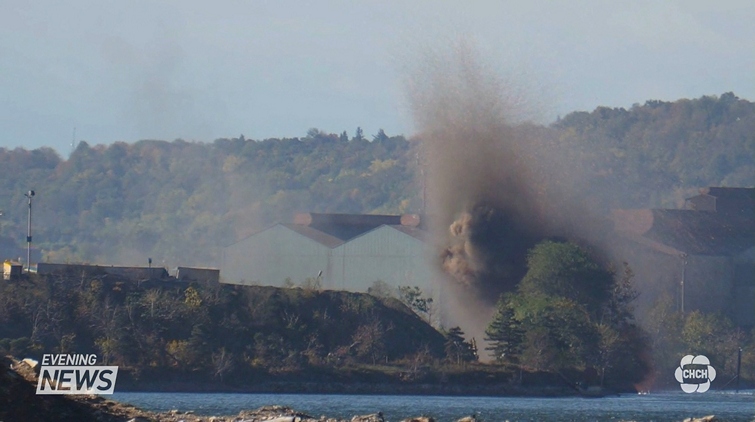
x=386 y=254
x=383 y=254
x=271 y=256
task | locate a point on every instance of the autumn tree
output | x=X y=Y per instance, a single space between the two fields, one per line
x=369 y=341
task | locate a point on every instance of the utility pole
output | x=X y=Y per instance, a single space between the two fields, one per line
x=739 y=366
x=684 y=274
x=421 y=163
x=28 y=195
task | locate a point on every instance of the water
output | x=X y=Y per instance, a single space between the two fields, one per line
x=659 y=407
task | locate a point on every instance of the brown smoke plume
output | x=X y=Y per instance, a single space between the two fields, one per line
x=495 y=185
x=479 y=199
x=492 y=190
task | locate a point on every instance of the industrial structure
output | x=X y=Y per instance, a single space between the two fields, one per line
x=208 y=275
x=138 y=274
x=12 y=270
x=703 y=256
x=337 y=251
x=129 y=273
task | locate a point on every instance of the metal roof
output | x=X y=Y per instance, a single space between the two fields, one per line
x=314 y=234
x=345 y=226
x=702 y=232
x=333 y=230
x=689 y=231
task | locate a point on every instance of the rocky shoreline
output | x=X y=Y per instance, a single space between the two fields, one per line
x=362 y=388
x=19 y=402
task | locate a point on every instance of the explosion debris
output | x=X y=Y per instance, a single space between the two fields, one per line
x=489 y=199
x=477 y=183
x=486 y=249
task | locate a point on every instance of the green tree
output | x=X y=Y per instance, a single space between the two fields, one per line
x=457 y=349
x=415 y=300
x=359 y=134
x=312 y=284
x=380 y=288
x=380 y=136
x=504 y=334
x=618 y=308
x=608 y=344
x=714 y=336
x=664 y=325
x=569 y=312
x=563 y=269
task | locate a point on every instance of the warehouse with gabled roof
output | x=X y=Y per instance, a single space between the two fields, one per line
x=340 y=251
x=702 y=256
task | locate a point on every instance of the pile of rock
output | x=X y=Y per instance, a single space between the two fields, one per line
x=286 y=414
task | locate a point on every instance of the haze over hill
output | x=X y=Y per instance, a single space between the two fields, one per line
x=178 y=202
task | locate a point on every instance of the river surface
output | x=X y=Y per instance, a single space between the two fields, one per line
x=669 y=406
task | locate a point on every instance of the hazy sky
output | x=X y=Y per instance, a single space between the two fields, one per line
x=200 y=70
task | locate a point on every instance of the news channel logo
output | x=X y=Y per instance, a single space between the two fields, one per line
x=695 y=374
x=75 y=374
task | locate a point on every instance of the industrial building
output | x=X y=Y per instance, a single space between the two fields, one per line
x=129 y=273
x=703 y=256
x=339 y=251
x=207 y=275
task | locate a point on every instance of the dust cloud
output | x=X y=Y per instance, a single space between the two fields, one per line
x=495 y=184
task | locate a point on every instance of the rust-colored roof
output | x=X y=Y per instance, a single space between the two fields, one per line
x=375 y=220
x=702 y=232
x=689 y=231
x=637 y=221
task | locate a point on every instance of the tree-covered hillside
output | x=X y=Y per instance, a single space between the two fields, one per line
x=211 y=330
x=179 y=202
x=657 y=154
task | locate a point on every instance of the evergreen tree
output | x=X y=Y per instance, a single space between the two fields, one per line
x=359 y=134
x=457 y=349
x=504 y=334
x=380 y=136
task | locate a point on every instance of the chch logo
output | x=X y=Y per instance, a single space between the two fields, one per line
x=695 y=374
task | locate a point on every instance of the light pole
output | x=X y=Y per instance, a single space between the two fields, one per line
x=684 y=273
x=29 y=195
